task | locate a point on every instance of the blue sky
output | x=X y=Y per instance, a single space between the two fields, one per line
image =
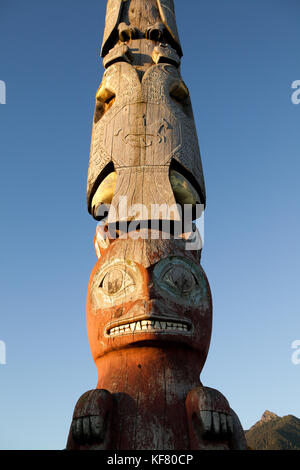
x=240 y=59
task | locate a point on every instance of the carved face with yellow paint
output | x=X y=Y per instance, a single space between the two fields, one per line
x=144 y=142
x=144 y=291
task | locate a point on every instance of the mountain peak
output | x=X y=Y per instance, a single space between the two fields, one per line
x=274 y=433
x=268 y=416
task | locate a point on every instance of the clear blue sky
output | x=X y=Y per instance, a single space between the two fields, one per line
x=240 y=59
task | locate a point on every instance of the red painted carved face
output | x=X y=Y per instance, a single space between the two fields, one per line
x=144 y=292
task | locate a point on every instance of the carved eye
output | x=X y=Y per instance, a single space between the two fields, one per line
x=116 y=282
x=179 y=278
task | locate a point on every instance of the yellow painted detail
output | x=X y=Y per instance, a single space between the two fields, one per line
x=105 y=192
x=184 y=192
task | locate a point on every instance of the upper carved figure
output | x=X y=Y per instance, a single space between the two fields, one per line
x=144 y=141
x=134 y=19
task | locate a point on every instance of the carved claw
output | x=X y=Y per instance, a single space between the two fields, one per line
x=163 y=53
x=155 y=32
x=119 y=53
x=209 y=419
x=127 y=32
x=91 y=424
x=215 y=425
x=212 y=424
x=89 y=430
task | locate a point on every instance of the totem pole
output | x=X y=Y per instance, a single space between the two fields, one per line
x=149 y=305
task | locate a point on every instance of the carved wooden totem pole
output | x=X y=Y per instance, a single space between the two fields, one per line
x=149 y=306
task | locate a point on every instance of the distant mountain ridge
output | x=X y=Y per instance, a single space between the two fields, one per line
x=273 y=432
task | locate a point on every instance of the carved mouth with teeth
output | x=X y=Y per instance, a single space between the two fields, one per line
x=150 y=326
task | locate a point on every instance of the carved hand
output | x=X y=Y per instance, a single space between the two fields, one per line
x=91 y=425
x=209 y=419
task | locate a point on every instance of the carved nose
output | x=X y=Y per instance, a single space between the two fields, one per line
x=156 y=307
x=150 y=308
x=150 y=291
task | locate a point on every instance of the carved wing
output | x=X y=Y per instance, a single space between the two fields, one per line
x=167 y=13
x=113 y=13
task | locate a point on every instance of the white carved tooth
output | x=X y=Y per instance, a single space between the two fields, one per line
x=138 y=326
x=163 y=325
x=157 y=325
x=132 y=326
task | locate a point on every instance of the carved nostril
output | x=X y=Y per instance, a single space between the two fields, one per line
x=119 y=312
x=127 y=32
x=150 y=291
x=155 y=35
x=124 y=36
